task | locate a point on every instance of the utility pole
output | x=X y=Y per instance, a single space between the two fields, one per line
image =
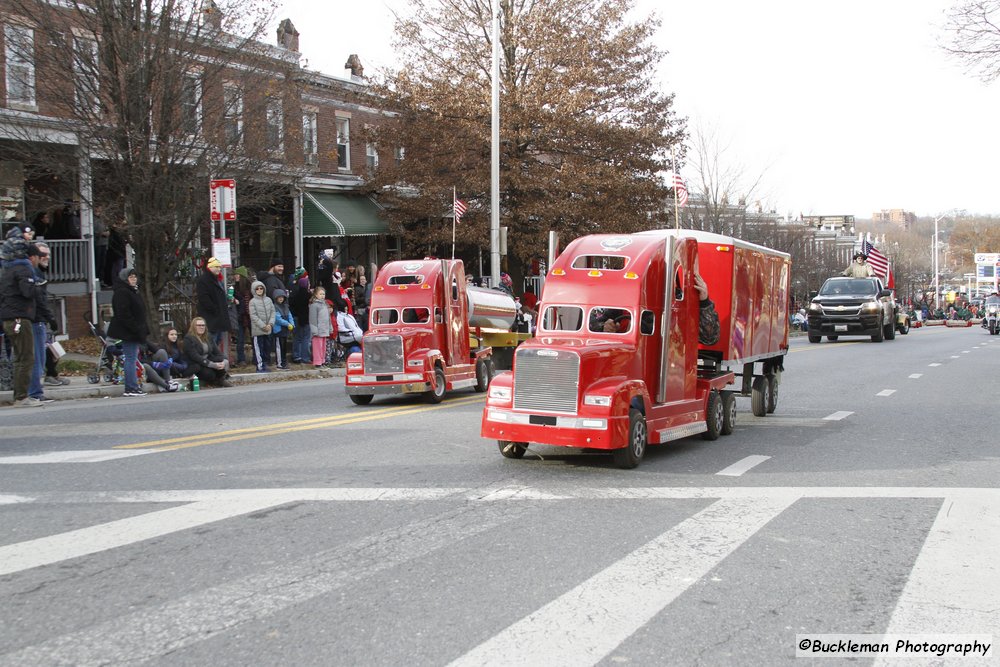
x=495 y=154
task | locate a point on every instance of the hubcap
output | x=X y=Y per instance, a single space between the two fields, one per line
x=639 y=439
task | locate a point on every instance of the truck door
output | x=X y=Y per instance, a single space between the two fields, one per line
x=456 y=317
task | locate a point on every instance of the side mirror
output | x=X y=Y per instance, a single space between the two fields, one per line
x=813 y=294
x=885 y=292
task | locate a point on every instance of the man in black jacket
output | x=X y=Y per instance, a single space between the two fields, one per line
x=44 y=318
x=129 y=325
x=212 y=301
x=18 y=289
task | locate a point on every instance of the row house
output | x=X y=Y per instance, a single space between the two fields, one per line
x=313 y=129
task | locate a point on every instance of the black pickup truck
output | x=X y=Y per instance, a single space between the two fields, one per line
x=852 y=307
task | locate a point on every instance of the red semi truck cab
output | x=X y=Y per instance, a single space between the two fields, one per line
x=615 y=363
x=418 y=337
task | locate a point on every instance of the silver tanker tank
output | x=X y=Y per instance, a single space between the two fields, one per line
x=490 y=308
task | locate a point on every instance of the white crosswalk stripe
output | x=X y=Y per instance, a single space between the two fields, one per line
x=952 y=588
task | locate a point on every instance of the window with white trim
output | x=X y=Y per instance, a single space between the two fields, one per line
x=233 y=115
x=344 y=143
x=275 y=127
x=399 y=154
x=309 y=144
x=19 y=51
x=371 y=156
x=191 y=105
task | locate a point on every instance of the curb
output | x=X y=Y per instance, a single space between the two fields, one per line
x=79 y=388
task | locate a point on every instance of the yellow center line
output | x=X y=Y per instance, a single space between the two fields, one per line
x=290 y=427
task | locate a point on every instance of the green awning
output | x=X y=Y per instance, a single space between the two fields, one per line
x=326 y=214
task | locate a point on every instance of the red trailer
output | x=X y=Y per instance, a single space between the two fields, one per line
x=616 y=362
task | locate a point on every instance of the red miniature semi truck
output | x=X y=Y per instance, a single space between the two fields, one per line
x=428 y=332
x=616 y=363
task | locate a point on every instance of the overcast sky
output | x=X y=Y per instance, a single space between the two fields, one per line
x=845 y=108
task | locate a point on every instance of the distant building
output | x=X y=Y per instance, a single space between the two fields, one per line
x=894 y=216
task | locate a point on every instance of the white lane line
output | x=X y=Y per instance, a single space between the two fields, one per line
x=933 y=365
x=955 y=582
x=965 y=351
x=77 y=456
x=76 y=543
x=955 y=356
x=585 y=624
x=742 y=466
x=916 y=376
x=837 y=416
x=154 y=632
x=886 y=392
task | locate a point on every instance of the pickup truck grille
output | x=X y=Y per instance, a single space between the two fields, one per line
x=546 y=380
x=383 y=354
x=844 y=309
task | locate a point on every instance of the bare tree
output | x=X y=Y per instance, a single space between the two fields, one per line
x=157 y=96
x=722 y=185
x=973 y=29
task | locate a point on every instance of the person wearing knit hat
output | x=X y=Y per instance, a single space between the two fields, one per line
x=242 y=271
x=299 y=272
x=298 y=303
x=213 y=303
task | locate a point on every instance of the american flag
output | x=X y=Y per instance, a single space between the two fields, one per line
x=680 y=190
x=460 y=208
x=878 y=261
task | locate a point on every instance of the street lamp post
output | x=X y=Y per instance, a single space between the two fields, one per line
x=937 y=283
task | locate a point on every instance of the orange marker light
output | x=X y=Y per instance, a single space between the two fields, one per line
x=425 y=286
x=558 y=272
x=631 y=276
x=723 y=248
x=594 y=273
x=402 y=287
x=379 y=288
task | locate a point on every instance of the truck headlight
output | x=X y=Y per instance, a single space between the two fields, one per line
x=815 y=308
x=500 y=392
x=603 y=401
x=871 y=306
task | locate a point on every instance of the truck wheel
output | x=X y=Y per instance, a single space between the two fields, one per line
x=832 y=339
x=728 y=413
x=993 y=329
x=880 y=336
x=758 y=396
x=772 y=391
x=512 y=450
x=436 y=394
x=815 y=338
x=483 y=375
x=714 y=416
x=362 y=399
x=631 y=454
x=890 y=331
x=904 y=326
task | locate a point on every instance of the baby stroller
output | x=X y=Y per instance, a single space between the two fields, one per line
x=109 y=363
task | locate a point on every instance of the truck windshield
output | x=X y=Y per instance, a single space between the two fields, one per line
x=852 y=287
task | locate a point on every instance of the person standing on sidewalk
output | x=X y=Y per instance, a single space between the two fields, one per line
x=298 y=302
x=129 y=325
x=213 y=303
x=261 y=324
x=17 y=296
x=43 y=319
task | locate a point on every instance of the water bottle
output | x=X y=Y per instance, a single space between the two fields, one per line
x=195 y=384
x=231 y=292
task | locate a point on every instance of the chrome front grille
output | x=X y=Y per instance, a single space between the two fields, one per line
x=546 y=380
x=843 y=309
x=383 y=354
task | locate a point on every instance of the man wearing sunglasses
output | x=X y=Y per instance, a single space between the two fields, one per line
x=44 y=318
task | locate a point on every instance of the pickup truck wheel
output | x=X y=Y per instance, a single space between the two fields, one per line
x=758 y=396
x=512 y=450
x=483 y=375
x=728 y=413
x=815 y=338
x=904 y=326
x=362 y=399
x=880 y=336
x=631 y=454
x=890 y=331
x=713 y=417
x=436 y=394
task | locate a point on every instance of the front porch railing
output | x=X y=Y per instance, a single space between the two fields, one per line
x=70 y=261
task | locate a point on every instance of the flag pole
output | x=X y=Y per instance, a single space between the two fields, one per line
x=454 y=220
x=677 y=208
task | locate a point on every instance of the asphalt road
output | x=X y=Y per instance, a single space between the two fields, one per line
x=281 y=524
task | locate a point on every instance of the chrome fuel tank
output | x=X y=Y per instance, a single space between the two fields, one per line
x=490 y=308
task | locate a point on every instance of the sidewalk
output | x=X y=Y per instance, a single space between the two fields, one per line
x=79 y=387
